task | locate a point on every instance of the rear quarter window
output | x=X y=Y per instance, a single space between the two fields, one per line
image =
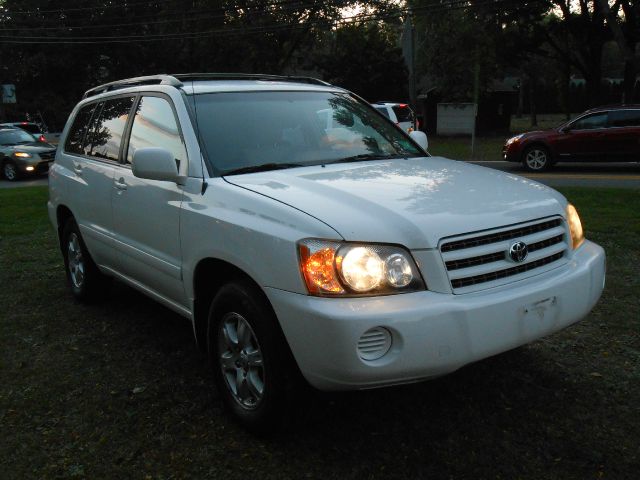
x=78 y=130
x=624 y=118
x=383 y=110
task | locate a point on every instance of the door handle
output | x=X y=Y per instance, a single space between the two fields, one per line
x=120 y=184
x=77 y=168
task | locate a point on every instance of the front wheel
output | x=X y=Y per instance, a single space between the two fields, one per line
x=10 y=171
x=536 y=159
x=249 y=356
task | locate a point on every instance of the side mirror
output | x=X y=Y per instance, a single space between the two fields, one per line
x=420 y=138
x=155 y=163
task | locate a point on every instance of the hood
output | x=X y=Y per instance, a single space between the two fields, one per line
x=34 y=147
x=413 y=202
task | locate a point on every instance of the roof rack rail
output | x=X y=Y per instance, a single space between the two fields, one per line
x=132 y=82
x=249 y=76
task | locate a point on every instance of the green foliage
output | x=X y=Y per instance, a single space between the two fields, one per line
x=365 y=58
x=486 y=38
x=153 y=36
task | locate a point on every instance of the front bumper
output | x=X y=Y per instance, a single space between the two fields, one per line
x=433 y=333
x=511 y=152
x=34 y=167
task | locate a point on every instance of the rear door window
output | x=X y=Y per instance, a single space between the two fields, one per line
x=106 y=136
x=78 y=130
x=29 y=127
x=591 y=122
x=624 y=118
x=403 y=113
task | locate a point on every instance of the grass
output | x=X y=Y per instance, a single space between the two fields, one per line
x=117 y=390
x=459 y=148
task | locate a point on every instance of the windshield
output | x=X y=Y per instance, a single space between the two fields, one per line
x=16 y=137
x=287 y=129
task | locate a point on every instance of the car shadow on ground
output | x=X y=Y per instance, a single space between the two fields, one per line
x=521 y=411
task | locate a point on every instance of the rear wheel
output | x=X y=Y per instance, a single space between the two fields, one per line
x=249 y=356
x=536 y=159
x=84 y=277
x=10 y=171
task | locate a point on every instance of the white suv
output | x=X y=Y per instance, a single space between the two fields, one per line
x=399 y=113
x=294 y=244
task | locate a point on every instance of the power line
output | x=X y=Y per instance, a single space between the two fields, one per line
x=75 y=9
x=359 y=18
x=286 y=6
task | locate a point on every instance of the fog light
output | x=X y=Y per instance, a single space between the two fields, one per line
x=30 y=168
x=374 y=343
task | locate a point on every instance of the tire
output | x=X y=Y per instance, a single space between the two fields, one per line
x=9 y=171
x=536 y=158
x=251 y=362
x=85 y=280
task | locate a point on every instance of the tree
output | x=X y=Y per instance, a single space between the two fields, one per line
x=627 y=35
x=577 y=37
x=365 y=58
x=465 y=46
x=57 y=50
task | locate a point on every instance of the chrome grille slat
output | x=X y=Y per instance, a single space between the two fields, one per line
x=502 y=245
x=503 y=264
x=499 y=236
x=474 y=262
x=525 y=267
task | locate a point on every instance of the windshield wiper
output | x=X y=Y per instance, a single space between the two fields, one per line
x=262 y=168
x=363 y=157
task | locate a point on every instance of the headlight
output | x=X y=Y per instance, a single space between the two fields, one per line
x=350 y=269
x=575 y=226
x=514 y=139
x=22 y=154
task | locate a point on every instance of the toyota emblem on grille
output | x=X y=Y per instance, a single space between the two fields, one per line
x=518 y=251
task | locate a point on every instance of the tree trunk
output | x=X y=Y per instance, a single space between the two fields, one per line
x=629 y=86
x=532 y=101
x=520 y=97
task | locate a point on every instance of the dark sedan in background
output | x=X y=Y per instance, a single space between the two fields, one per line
x=22 y=154
x=601 y=134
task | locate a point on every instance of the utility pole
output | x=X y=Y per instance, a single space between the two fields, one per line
x=476 y=99
x=408 y=51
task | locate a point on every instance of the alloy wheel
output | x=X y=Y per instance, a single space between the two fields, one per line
x=9 y=171
x=241 y=360
x=536 y=159
x=75 y=261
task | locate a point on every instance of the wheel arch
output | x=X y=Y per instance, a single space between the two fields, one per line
x=63 y=214
x=209 y=276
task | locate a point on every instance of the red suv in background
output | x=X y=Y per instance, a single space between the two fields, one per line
x=601 y=134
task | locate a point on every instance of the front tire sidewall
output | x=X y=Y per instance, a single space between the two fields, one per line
x=242 y=299
x=536 y=159
x=94 y=284
x=10 y=171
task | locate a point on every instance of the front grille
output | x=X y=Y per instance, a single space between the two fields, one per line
x=474 y=262
x=47 y=155
x=42 y=167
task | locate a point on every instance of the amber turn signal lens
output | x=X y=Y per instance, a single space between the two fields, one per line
x=575 y=226
x=319 y=271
